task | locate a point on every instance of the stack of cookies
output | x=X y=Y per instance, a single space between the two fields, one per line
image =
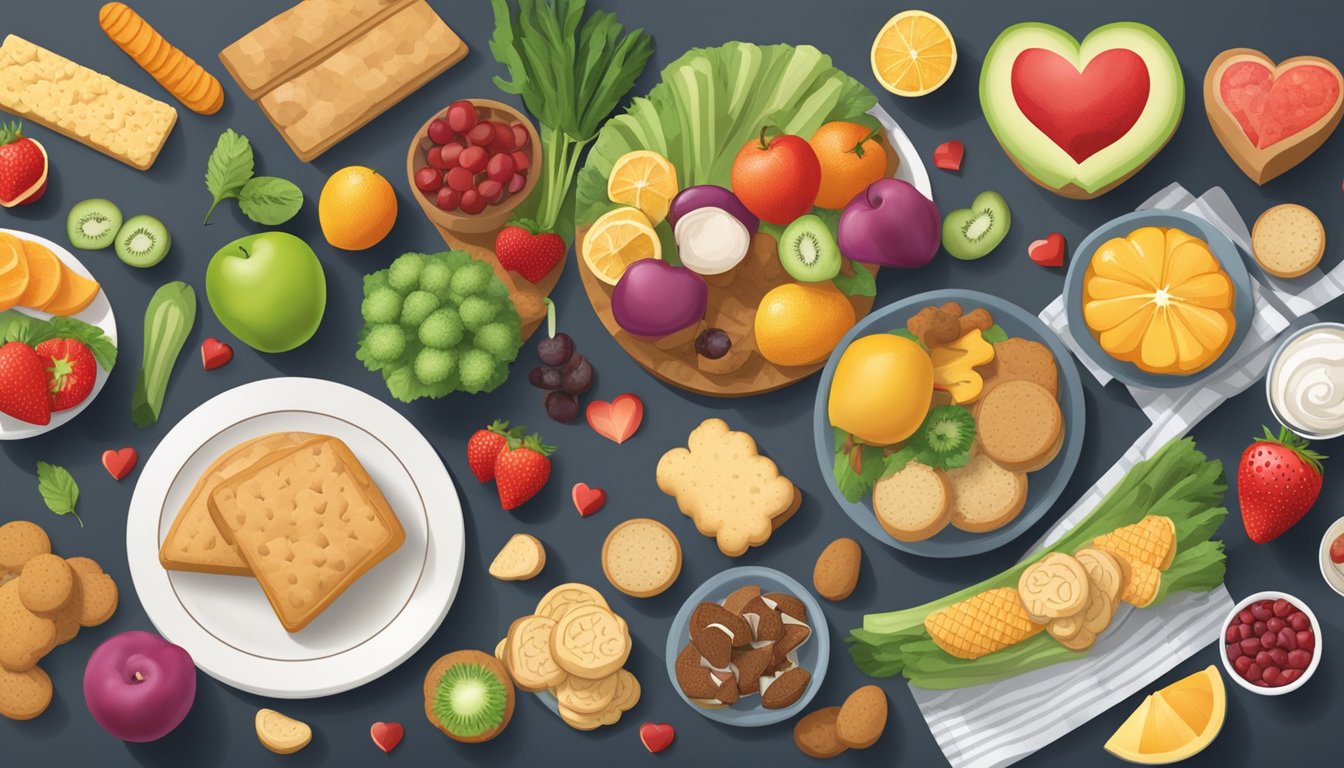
x=575 y=647
x=44 y=600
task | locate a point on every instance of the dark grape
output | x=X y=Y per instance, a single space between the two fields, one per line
x=534 y=377
x=556 y=350
x=713 y=344
x=575 y=360
x=562 y=407
x=551 y=378
x=580 y=379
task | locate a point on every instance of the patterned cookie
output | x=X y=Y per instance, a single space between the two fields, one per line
x=528 y=653
x=815 y=734
x=25 y=637
x=627 y=696
x=20 y=541
x=1104 y=569
x=586 y=697
x=24 y=695
x=1055 y=586
x=99 y=592
x=862 y=718
x=559 y=601
x=591 y=642
x=45 y=584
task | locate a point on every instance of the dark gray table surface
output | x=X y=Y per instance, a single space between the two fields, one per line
x=219 y=729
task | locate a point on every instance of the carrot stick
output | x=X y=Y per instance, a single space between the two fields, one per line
x=186 y=80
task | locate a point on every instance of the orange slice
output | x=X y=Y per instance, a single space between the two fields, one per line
x=617 y=240
x=44 y=275
x=74 y=296
x=14 y=277
x=913 y=53
x=645 y=180
x=1174 y=724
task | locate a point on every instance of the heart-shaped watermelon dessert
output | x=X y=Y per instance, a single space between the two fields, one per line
x=1079 y=118
x=1271 y=117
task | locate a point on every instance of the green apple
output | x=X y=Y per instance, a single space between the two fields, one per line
x=268 y=289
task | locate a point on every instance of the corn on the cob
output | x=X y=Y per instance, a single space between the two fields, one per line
x=1141 y=589
x=1151 y=541
x=978 y=626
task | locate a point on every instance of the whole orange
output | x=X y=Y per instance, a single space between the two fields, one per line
x=357 y=208
x=851 y=157
x=800 y=323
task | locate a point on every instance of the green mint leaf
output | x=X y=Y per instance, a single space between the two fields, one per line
x=995 y=334
x=59 y=490
x=899 y=460
x=270 y=200
x=228 y=169
x=861 y=283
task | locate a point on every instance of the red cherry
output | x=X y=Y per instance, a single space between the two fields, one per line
x=428 y=180
x=473 y=159
x=520 y=135
x=449 y=154
x=491 y=190
x=516 y=183
x=472 y=202
x=504 y=138
x=461 y=116
x=440 y=132
x=434 y=157
x=482 y=135
x=448 y=199
x=500 y=168
x=459 y=179
x=521 y=162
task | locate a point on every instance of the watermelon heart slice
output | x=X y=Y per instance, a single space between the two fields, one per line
x=1080 y=118
x=1270 y=117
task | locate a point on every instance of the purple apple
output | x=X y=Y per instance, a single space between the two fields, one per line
x=890 y=224
x=139 y=686
x=654 y=298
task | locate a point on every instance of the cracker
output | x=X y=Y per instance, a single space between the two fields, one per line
x=98 y=592
x=591 y=642
x=24 y=695
x=25 y=637
x=722 y=482
x=641 y=557
x=309 y=523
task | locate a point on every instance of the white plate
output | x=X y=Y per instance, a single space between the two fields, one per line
x=1333 y=574
x=99 y=314
x=225 y=622
x=911 y=168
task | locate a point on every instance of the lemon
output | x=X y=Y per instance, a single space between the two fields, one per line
x=618 y=239
x=913 y=54
x=1175 y=723
x=645 y=180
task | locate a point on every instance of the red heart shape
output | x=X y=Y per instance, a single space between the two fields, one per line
x=215 y=353
x=656 y=736
x=588 y=500
x=120 y=463
x=387 y=735
x=617 y=420
x=1271 y=105
x=1048 y=252
x=1083 y=112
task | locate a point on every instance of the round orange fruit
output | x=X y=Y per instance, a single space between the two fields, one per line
x=851 y=158
x=800 y=323
x=357 y=208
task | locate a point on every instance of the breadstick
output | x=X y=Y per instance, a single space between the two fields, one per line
x=186 y=80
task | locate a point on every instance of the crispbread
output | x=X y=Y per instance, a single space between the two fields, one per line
x=985 y=496
x=1288 y=240
x=309 y=522
x=641 y=557
x=194 y=542
x=913 y=504
x=1017 y=358
x=84 y=105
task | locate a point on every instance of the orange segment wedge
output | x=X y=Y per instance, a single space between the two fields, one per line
x=74 y=296
x=913 y=54
x=645 y=180
x=14 y=276
x=1175 y=723
x=44 y=275
x=618 y=239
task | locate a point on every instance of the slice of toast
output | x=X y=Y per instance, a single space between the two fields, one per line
x=913 y=504
x=521 y=558
x=194 y=542
x=985 y=496
x=309 y=522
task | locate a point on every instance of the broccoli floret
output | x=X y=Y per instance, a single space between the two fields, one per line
x=436 y=278
x=381 y=306
x=417 y=307
x=385 y=343
x=434 y=365
x=472 y=278
x=476 y=312
x=477 y=367
x=499 y=340
x=404 y=274
x=441 y=330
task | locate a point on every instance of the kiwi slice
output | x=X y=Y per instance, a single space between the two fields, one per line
x=470 y=700
x=808 y=251
x=947 y=432
x=142 y=241
x=970 y=233
x=92 y=224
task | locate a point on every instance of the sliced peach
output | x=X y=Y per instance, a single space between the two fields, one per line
x=14 y=278
x=44 y=275
x=74 y=295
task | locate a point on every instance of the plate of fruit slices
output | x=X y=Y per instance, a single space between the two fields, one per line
x=75 y=307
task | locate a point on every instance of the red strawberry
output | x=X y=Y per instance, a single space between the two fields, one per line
x=533 y=255
x=71 y=370
x=23 y=167
x=1277 y=482
x=522 y=470
x=23 y=384
x=484 y=447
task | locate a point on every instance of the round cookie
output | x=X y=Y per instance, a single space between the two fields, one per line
x=528 y=651
x=559 y=601
x=25 y=637
x=1053 y=587
x=591 y=642
x=862 y=718
x=815 y=734
x=24 y=695
x=20 y=541
x=641 y=557
x=98 y=591
x=587 y=697
x=1288 y=240
x=46 y=584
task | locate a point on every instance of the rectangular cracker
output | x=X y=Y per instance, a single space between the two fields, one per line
x=194 y=543
x=87 y=106
x=309 y=522
x=298 y=38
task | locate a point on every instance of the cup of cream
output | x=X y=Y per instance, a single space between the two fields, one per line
x=1305 y=385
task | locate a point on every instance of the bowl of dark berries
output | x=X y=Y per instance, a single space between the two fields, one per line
x=1271 y=643
x=562 y=372
x=473 y=163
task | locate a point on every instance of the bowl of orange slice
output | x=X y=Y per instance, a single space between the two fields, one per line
x=1158 y=298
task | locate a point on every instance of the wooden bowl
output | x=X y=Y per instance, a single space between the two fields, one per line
x=494 y=216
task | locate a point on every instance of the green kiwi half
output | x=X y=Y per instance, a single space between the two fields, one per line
x=470 y=700
x=92 y=224
x=142 y=241
x=808 y=250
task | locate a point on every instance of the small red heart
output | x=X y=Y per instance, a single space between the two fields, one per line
x=387 y=735
x=588 y=500
x=948 y=155
x=617 y=420
x=215 y=353
x=1048 y=252
x=656 y=736
x=119 y=464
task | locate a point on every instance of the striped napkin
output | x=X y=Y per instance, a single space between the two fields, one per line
x=997 y=724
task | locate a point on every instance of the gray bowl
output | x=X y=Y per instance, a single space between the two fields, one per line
x=1043 y=487
x=1243 y=308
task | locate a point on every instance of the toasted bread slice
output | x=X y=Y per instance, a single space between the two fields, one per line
x=1019 y=425
x=1288 y=241
x=522 y=558
x=913 y=504
x=985 y=496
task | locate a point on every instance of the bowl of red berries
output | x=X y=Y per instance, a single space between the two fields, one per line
x=1271 y=643
x=472 y=163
